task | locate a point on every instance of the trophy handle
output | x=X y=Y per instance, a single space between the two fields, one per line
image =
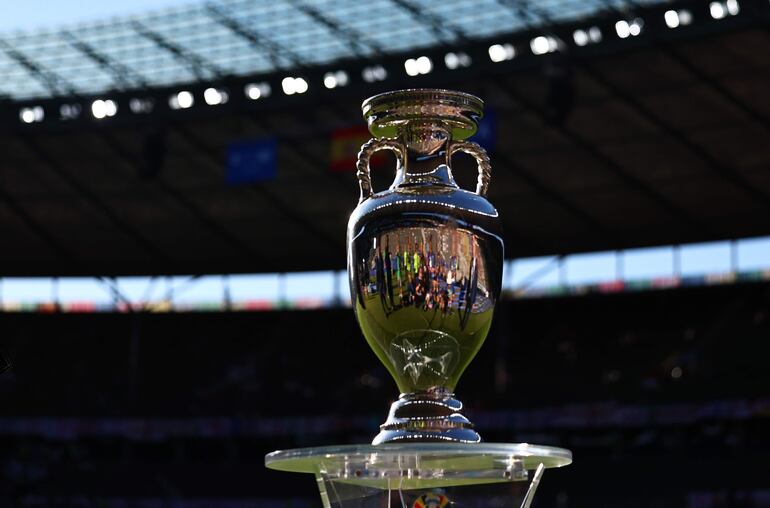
x=362 y=165
x=482 y=159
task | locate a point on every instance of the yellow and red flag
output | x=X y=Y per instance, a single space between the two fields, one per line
x=345 y=146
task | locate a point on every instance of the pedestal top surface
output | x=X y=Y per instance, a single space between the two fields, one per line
x=417 y=459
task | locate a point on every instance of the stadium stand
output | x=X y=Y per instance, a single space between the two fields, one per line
x=663 y=380
x=612 y=125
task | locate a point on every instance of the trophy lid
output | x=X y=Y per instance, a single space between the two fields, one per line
x=386 y=112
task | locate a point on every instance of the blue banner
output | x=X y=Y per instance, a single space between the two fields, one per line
x=251 y=161
x=486 y=136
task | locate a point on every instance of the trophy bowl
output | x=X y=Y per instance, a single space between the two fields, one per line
x=425 y=259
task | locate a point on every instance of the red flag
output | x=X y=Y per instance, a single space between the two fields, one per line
x=345 y=146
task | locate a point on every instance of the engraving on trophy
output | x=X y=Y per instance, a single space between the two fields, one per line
x=421 y=279
x=425 y=355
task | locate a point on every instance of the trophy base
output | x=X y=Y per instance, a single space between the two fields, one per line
x=424 y=475
x=432 y=416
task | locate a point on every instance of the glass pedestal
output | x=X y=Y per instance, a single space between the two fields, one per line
x=424 y=475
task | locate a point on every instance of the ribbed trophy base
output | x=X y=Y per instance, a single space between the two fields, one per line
x=425 y=417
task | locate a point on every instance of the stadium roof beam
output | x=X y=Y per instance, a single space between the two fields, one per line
x=440 y=26
x=525 y=10
x=301 y=151
x=557 y=198
x=124 y=77
x=258 y=40
x=356 y=40
x=723 y=170
x=283 y=208
x=91 y=197
x=197 y=63
x=180 y=198
x=753 y=113
x=55 y=84
x=687 y=64
x=34 y=226
x=618 y=170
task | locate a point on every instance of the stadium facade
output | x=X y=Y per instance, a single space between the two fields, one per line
x=220 y=138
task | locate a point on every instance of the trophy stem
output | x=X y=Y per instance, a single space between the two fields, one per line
x=427 y=416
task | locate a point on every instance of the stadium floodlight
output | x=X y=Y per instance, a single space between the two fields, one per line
x=417 y=66
x=717 y=10
x=451 y=61
x=676 y=18
x=181 y=100
x=580 y=37
x=584 y=37
x=424 y=65
x=256 y=91
x=410 y=65
x=625 y=28
x=501 y=52
x=595 y=34
x=69 y=111
x=541 y=45
x=137 y=105
x=720 y=10
x=287 y=84
x=214 y=97
x=456 y=60
x=26 y=115
x=103 y=108
x=622 y=29
x=292 y=85
x=671 y=18
x=374 y=73
x=335 y=79
x=32 y=115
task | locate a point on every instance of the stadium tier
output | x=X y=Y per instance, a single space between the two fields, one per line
x=128 y=408
x=174 y=193
x=236 y=38
x=640 y=136
x=744 y=261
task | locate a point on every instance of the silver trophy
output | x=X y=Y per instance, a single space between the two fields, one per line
x=425 y=261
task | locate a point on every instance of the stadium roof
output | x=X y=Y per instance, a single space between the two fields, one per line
x=243 y=37
x=632 y=139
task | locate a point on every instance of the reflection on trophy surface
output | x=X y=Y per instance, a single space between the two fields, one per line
x=424 y=259
x=423 y=302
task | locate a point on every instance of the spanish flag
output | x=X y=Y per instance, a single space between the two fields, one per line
x=345 y=146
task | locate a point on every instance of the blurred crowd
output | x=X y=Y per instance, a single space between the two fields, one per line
x=667 y=381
